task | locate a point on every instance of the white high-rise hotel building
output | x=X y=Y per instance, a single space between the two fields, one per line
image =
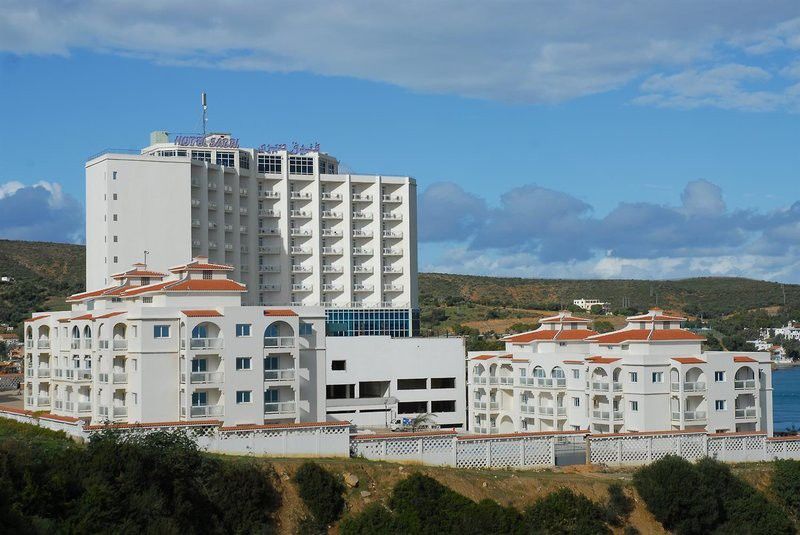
x=297 y=231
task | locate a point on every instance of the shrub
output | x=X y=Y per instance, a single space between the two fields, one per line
x=786 y=484
x=564 y=512
x=663 y=487
x=423 y=505
x=321 y=491
x=619 y=505
x=375 y=519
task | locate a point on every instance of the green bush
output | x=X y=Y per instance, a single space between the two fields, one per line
x=375 y=519
x=321 y=491
x=719 y=502
x=564 y=512
x=786 y=484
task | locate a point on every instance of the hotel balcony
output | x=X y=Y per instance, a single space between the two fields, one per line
x=331 y=214
x=392 y=234
x=119 y=345
x=203 y=378
x=363 y=287
x=78 y=376
x=479 y=380
x=392 y=251
x=688 y=387
x=75 y=344
x=746 y=384
x=204 y=344
x=28 y=344
x=195 y=203
x=212 y=205
x=479 y=405
x=332 y=269
x=299 y=268
x=746 y=413
x=113 y=413
x=243 y=192
x=300 y=214
x=300 y=249
x=269 y=213
x=330 y=232
x=200 y=411
x=42 y=401
x=279 y=342
x=361 y=197
x=558 y=412
x=267 y=268
x=543 y=382
x=279 y=407
x=390 y=216
x=228 y=208
x=196 y=223
x=362 y=233
x=363 y=269
x=392 y=198
x=269 y=194
x=362 y=215
x=269 y=287
x=227 y=189
x=302 y=287
x=332 y=288
x=243 y=210
x=392 y=287
x=689 y=416
x=601 y=386
x=392 y=269
x=299 y=196
x=269 y=250
x=269 y=231
x=212 y=186
x=331 y=250
x=300 y=232
x=362 y=251
x=279 y=376
x=43 y=373
x=331 y=196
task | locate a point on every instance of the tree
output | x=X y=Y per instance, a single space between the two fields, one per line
x=603 y=326
x=423 y=419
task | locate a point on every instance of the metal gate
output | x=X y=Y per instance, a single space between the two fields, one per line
x=570 y=450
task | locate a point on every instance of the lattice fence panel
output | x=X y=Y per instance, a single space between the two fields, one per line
x=538 y=451
x=715 y=446
x=604 y=451
x=663 y=446
x=693 y=447
x=635 y=450
x=471 y=453
x=402 y=448
x=437 y=445
x=505 y=452
x=368 y=449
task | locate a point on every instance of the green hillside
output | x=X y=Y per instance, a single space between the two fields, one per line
x=706 y=296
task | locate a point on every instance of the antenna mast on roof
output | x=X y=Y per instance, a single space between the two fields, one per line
x=205 y=108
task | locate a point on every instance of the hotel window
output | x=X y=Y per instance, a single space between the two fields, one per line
x=114 y=217
x=242 y=329
x=269 y=164
x=719 y=377
x=658 y=377
x=244 y=363
x=225 y=158
x=115 y=239
x=576 y=374
x=134 y=398
x=244 y=161
x=160 y=331
x=202 y=155
x=306 y=329
x=116 y=259
x=115 y=196
x=114 y=175
x=338 y=365
x=207 y=274
x=720 y=405
x=301 y=165
x=576 y=402
x=443 y=382
x=634 y=406
x=667 y=325
x=443 y=406
x=634 y=376
x=412 y=384
x=147 y=299
x=244 y=396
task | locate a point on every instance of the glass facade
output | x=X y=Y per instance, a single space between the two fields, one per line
x=398 y=323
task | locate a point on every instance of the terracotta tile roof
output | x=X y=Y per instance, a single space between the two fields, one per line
x=563 y=319
x=530 y=336
x=573 y=362
x=86 y=295
x=15 y=410
x=37 y=318
x=201 y=313
x=655 y=317
x=84 y=317
x=484 y=357
x=255 y=427
x=200 y=264
x=138 y=272
x=744 y=359
x=689 y=360
x=644 y=335
x=280 y=312
x=119 y=290
x=575 y=334
x=529 y=434
x=136 y=290
x=206 y=285
x=58 y=418
x=109 y=315
x=520 y=360
x=602 y=360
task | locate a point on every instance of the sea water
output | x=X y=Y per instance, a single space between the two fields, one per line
x=786 y=398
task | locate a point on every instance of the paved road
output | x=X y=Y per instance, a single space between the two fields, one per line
x=11 y=399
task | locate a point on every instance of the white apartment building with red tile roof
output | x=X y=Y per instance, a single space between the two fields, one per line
x=651 y=375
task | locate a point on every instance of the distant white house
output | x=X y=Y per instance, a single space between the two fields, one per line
x=587 y=304
x=5 y=279
x=791 y=331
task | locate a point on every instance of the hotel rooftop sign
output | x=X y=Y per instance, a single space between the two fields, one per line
x=207 y=141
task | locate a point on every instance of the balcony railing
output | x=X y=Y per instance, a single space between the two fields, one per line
x=600 y=386
x=43 y=373
x=279 y=375
x=28 y=344
x=744 y=384
x=120 y=412
x=689 y=416
x=119 y=378
x=279 y=341
x=479 y=405
x=84 y=406
x=205 y=343
x=75 y=344
x=43 y=343
x=206 y=377
x=203 y=410
x=120 y=345
x=87 y=343
x=747 y=412
x=102 y=344
x=42 y=401
x=279 y=407
x=693 y=386
x=77 y=375
x=478 y=380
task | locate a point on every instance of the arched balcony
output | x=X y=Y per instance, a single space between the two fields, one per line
x=75 y=343
x=119 y=335
x=746 y=407
x=745 y=379
x=206 y=336
x=29 y=337
x=616 y=380
x=559 y=377
x=43 y=337
x=505 y=376
x=479 y=374
x=279 y=334
x=600 y=380
x=87 y=337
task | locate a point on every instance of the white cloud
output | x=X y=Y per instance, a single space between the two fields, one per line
x=517 y=51
x=40 y=212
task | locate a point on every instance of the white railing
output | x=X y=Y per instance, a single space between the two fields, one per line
x=119 y=378
x=102 y=344
x=302 y=288
x=42 y=401
x=747 y=412
x=478 y=380
x=689 y=416
x=331 y=214
x=744 y=384
x=120 y=345
x=332 y=287
x=362 y=233
x=392 y=287
x=84 y=406
x=331 y=232
x=206 y=377
x=43 y=343
x=269 y=287
x=392 y=198
x=205 y=343
x=389 y=216
x=279 y=375
x=692 y=386
x=279 y=407
x=617 y=386
x=43 y=373
x=269 y=194
x=203 y=410
x=363 y=269
x=75 y=344
x=479 y=405
x=120 y=412
x=361 y=197
x=279 y=341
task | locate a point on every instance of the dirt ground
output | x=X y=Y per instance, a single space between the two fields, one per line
x=516 y=488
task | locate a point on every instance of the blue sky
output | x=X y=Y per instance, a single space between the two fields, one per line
x=553 y=139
